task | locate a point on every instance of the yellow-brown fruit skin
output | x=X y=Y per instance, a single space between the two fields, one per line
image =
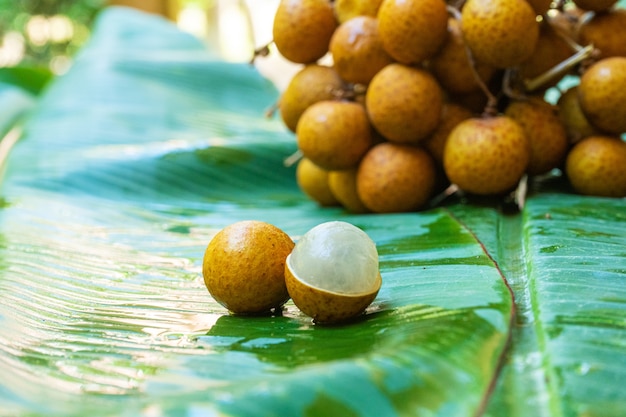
x=551 y=50
x=597 y=166
x=540 y=6
x=412 y=30
x=311 y=84
x=334 y=134
x=243 y=267
x=404 y=103
x=314 y=182
x=451 y=65
x=302 y=29
x=357 y=51
x=451 y=115
x=595 y=5
x=602 y=94
x=396 y=178
x=545 y=132
x=576 y=124
x=347 y=9
x=323 y=306
x=343 y=186
x=500 y=33
x=606 y=31
x=486 y=156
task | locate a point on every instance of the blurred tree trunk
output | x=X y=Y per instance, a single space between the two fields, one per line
x=167 y=8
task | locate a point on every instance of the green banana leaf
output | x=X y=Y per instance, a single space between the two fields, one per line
x=127 y=166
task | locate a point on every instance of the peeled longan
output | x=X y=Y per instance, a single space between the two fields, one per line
x=394 y=177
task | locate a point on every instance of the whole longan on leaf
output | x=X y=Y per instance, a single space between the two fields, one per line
x=486 y=155
x=412 y=30
x=343 y=186
x=500 y=33
x=334 y=134
x=311 y=84
x=597 y=166
x=544 y=130
x=395 y=177
x=302 y=29
x=404 y=103
x=602 y=94
x=243 y=267
x=357 y=51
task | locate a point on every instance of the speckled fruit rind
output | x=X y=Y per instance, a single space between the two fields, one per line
x=243 y=267
x=501 y=33
x=602 y=94
x=323 y=306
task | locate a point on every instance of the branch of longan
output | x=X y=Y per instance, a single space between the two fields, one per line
x=261 y=51
x=582 y=55
x=491 y=108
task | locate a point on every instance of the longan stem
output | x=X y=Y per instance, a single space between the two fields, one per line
x=563 y=66
x=261 y=51
x=492 y=101
x=293 y=158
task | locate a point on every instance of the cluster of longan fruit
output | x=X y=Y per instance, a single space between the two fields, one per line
x=397 y=101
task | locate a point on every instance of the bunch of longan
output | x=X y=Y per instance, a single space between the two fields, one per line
x=421 y=95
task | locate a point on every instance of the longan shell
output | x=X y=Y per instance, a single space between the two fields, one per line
x=500 y=33
x=486 y=156
x=597 y=166
x=243 y=267
x=404 y=103
x=326 y=307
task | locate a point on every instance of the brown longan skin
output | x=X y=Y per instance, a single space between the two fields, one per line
x=404 y=103
x=452 y=67
x=606 y=31
x=302 y=29
x=413 y=30
x=314 y=182
x=357 y=51
x=334 y=134
x=576 y=124
x=597 y=166
x=243 y=267
x=545 y=132
x=342 y=184
x=347 y=9
x=311 y=84
x=396 y=178
x=602 y=94
x=452 y=114
x=551 y=50
x=500 y=33
x=486 y=156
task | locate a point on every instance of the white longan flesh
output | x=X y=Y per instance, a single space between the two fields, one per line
x=338 y=257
